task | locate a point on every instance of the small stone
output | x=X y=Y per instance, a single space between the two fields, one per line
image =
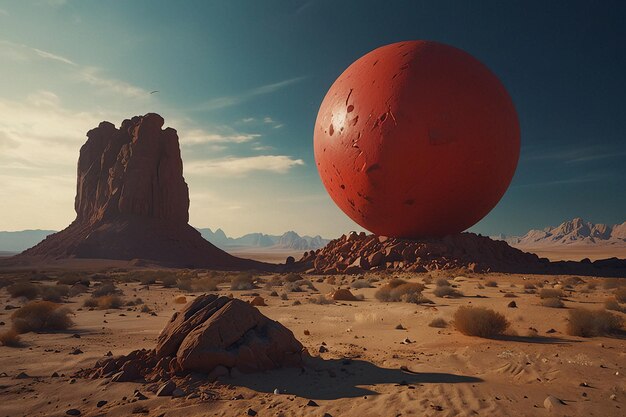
x=323 y=349
x=407 y=341
x=551 y=402
x=76 y=336
x=551 y=331
x=138 y=395
x=178 y=393
x=251 y=412
x=22 y=375
x=276 y=391
x=307 y=333
x=400 y=327
x=613 y=397
x=109 y=353
x=73 y=412
x=312 y=403
x=54 y=375
x=76 y=351
x=512 y=304
x=327 y=415
x=101 y=403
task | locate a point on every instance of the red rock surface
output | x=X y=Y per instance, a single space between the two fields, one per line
x=132 y=202
x=212 y=335
x=355 y=253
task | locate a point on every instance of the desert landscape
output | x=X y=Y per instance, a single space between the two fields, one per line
x=425 y=213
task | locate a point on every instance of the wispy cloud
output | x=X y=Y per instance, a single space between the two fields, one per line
x=240 y=166
x=565 y=181
x=268 y=120
x=49 y=55
x=201 y=136
x=229 y=101
x=91 y=75
x=575 y=155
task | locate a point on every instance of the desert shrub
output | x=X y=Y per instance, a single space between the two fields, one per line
x=136 y=302
x=620 y=294
x=38 y=316
x=331 y=280
x=10 y=338
x=107 y=288
x=54 y=293
x=205 y=284
x=106 y=302
x=592 y=286
x=72 y=278
x=90 y=302
x=77 y=289
x=510 y=295
x=361 y=283
x=573 y=281
x=442 y=282
x=145 y=309
x=479 y=321
x=23 y=289
x=553 y=302
x=491 y=284
x=147 y=280
x=480 y=286
x=184 y=284
x=447 y=291
x=400 y=290
x=283 y=296
x=550 y=293
x=320 y=299
x=589 y=323
x=291 y=277
x=612 y=283
x=612 y=304
x=409 y=297
x=306 y=283
x=242 y=281
x=530 y=286
x=438 y=322
x=180 y=299
x=168 y=281
x=539 y=284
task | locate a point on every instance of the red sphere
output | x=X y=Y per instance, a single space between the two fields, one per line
x=416 y=139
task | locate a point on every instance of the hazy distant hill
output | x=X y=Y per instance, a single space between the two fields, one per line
x=288 y=240
x=572 y=232
x=21 y=240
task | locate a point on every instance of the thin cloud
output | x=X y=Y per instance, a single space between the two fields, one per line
x=199 y=136
x=229 y=101
x=576 y=155
x=268 y=120
x=565 y=181
x=248 y=119
x=238 y=166
x=54 y=57
x=278 y=126
x=91 y=75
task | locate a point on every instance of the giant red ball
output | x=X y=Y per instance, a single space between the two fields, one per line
x=416 y=139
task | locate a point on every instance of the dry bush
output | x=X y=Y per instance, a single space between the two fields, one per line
x=291 y=277
x=72 y=278
x=320 y=299
x=106 y=302
x=297 y=286
x=400 y=290
x=283 y=296
x=331 y=280
x=480 y=287
x=447 y=291
x=589 y=323
x=145 y=309
x=427 y=279
x=54 y=293
x=168 y=281
x=510 y=295
x=361 y=283
x=539 y=284
x=10 y=338
x=530 y=286
x=438 y=322
x=409 y=297
x=552 y=302
x=592 y=286
x=442 y=282
x=242 y=281
x=180 y=299
x=612 y=304
x=573 y=281
x=550 y=293
x=479 y=321
x=77 y=289
x=206 y=284
x=620 y=294
x=612 y=283
x=491 y=284
x=107 y=288
x=184 y=284
x=136 y=302
x=27 y=290
x=38 y=316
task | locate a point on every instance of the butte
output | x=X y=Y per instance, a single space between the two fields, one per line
x=132 y=202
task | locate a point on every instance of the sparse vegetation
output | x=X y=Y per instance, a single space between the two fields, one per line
x=242 y=281
x=104 y=302
x=361 y=283
x=39 y=316
x=553 y=302
x=442 y=282
x=320 y=299
x=530 y=286
x=551 y=293
x=438 y=322
x=479 y=321
x=491 y=284
x=399 y=290
x=54 y=293
x=27 y=290
x=10 y=338
x=589 y=323
x=107 y=288
x=291 y=277
x=447 y=291
x=510 y=295
x=180 y=299
x=613 y=283
x=620 y=294
x=612 y=304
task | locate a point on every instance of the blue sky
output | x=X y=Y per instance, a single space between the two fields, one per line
x=242 y=82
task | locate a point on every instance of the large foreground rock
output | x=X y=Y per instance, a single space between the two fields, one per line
x=211 y=335
x=132 y=202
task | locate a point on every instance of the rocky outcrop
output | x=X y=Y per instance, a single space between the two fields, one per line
x=212 y=335
x=133 y=202
x=355 y=253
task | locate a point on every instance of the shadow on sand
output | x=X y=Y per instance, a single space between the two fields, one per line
x=339 y=378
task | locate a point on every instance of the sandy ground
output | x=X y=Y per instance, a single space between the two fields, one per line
x=577 y=252
x=367 y=371
x=269 y=255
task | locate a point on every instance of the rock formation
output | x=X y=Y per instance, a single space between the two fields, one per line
x=356 y=253
x=132 y=202
x=213 y=335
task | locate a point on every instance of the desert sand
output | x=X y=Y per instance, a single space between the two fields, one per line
x=362 y=364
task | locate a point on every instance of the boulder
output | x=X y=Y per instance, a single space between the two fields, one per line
x=342 y=294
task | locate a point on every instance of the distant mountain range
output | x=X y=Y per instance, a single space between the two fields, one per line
x=287 y=241
x=572 y=232
x=24 y=239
